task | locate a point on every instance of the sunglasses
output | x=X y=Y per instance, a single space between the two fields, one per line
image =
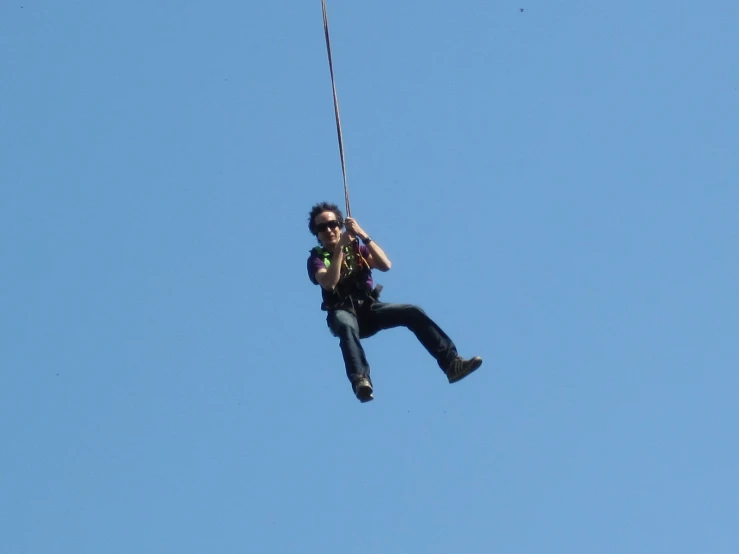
x=321 y=227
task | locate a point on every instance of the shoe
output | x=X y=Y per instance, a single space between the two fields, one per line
x=363 y=390
x=461 y=368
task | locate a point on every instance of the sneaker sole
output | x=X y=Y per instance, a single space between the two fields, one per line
x=474 y=368
x=365 y=394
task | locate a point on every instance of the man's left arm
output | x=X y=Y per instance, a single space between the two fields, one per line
x=377 y=257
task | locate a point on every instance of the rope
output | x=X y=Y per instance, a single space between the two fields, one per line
x=336 y=109
x=352 y=262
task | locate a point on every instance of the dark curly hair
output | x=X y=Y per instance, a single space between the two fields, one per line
x=319 y=209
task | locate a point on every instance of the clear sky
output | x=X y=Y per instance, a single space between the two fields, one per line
x=557 y=187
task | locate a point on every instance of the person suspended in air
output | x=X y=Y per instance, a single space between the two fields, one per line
x=343 y=269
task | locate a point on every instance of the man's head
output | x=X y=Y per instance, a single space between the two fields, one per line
x=325 y=222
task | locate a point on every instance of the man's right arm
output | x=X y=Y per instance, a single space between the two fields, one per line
x=329 y=278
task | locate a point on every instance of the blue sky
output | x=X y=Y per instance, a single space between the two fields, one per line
x=556 y=187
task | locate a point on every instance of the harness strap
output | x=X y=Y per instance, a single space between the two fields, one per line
x=352 y=291
x=354 y=261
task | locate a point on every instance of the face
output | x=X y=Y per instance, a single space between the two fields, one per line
x=328 y=229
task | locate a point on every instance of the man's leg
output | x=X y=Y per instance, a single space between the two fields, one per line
x=344 y=325
x=388 y=315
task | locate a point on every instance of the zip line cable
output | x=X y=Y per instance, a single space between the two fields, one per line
x=336 y=108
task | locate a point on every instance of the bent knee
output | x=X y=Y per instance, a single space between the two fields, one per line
x=343 y=323
x=415 y=311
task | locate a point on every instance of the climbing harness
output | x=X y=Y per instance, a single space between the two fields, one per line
x=353 y=291
x=354 y=262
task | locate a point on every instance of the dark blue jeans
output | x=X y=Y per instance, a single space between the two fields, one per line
x=350 y=328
